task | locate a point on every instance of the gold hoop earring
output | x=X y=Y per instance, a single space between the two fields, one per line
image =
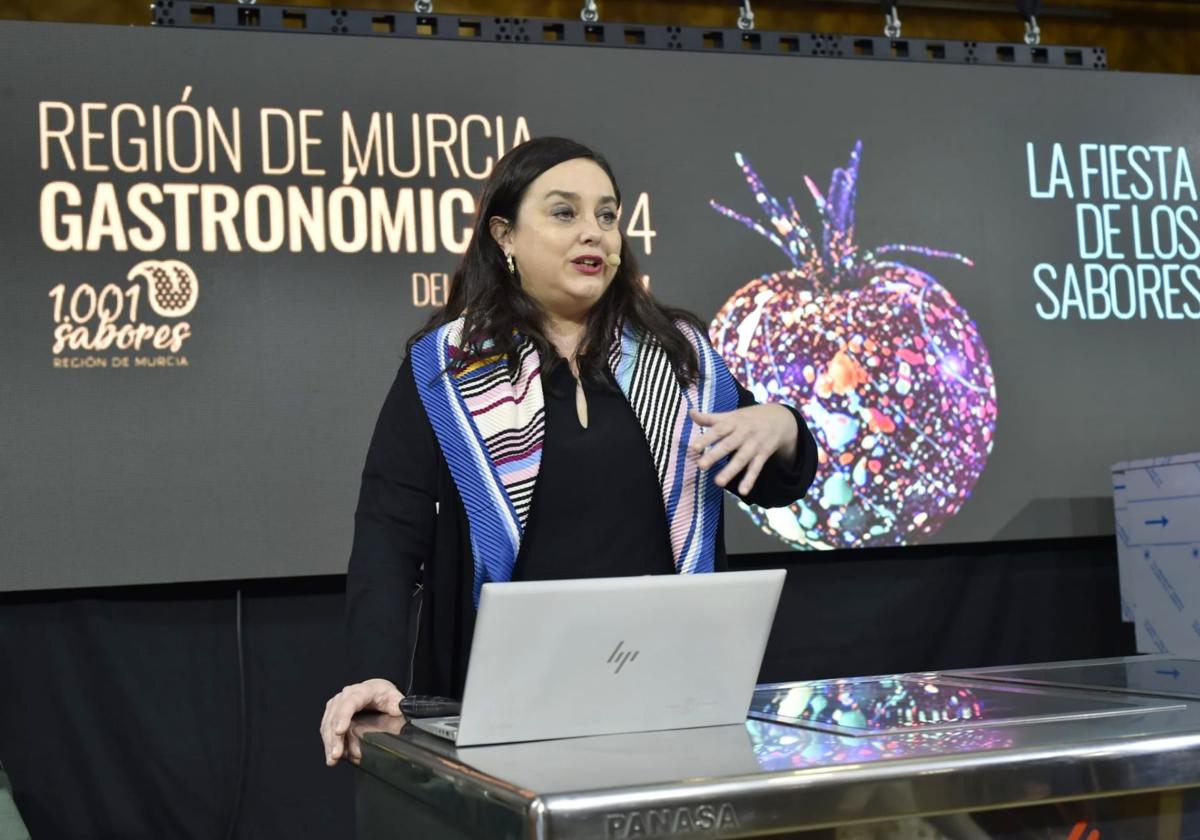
x=512 y=266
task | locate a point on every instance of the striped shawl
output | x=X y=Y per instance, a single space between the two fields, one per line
x=490 y=425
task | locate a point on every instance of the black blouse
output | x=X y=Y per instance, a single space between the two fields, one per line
x=597 y=506
x=597 y=511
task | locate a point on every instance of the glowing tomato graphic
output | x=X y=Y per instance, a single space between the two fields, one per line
x=889 y=370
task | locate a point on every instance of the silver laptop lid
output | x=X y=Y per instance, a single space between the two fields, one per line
x=558 y=659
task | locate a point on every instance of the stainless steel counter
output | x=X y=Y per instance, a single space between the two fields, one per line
x=858 y=751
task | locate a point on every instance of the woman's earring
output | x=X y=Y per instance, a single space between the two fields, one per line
x=512 y=266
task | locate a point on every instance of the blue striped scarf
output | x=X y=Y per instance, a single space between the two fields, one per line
x=490 y=423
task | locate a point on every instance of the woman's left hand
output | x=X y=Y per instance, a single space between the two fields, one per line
x=749 y=436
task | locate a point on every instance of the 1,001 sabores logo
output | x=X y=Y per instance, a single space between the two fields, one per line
x=114 y=317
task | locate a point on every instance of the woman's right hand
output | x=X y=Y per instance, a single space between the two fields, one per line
x=339 y=738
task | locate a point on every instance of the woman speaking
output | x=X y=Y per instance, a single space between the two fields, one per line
x=553 y=420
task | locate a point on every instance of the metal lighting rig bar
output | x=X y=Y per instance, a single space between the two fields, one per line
x=451 y=27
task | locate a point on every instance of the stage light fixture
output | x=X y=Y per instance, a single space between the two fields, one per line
x=745 y=19
x=1033 y=35
x=1029 y=10
x=589 y=13
x=891 y=20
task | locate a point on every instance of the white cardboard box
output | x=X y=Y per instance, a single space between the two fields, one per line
x=1157 y=505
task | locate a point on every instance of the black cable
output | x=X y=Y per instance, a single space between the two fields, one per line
x=237 y=803
x=1028 y=8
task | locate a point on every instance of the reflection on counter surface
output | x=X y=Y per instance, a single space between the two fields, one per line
x=880 y=704
x=903 y=703
x=779 y=747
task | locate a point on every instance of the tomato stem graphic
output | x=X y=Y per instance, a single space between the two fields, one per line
x=838 y=261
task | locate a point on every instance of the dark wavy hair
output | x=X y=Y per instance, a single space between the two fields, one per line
x=497 y=309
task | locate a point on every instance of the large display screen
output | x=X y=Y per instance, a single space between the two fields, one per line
x=979 y=284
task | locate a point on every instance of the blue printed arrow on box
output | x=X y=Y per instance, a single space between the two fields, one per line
x=1174 y=672
x=1162 y=520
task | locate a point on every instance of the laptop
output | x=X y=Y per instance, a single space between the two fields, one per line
x=568 y=658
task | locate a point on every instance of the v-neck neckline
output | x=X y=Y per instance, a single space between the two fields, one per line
x=581 y=404
x=577 y=388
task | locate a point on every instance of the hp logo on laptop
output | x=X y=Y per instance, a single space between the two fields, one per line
x=620 y=657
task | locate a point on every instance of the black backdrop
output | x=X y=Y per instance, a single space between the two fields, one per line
x=245 y=463
x=120 y=714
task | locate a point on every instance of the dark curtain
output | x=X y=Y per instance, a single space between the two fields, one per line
x=120 y=709
x=859 y=612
